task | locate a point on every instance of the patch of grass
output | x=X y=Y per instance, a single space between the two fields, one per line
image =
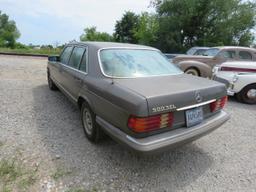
x=14 y=175
x=59 y=173
x=1 y=143
x=29 y=180
x=94 y=189
x=9 y=171
x=32 y=51
x=75 y=190
x=6 y=189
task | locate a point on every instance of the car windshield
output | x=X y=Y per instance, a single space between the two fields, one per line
x=191 y=51
x=211 y=52
x=200 y=52
x=128 y=63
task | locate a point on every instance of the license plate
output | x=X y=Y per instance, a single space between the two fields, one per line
x=194 y=116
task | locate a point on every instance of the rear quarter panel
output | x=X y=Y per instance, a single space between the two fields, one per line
x=113 y=103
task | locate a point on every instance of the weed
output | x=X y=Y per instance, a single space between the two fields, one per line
x=13 y=174
x=76 y=190
x=60 y=172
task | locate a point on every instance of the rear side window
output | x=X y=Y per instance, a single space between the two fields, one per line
x=245 y=55
x=83 y=66
x=228 y=54
x=76 y=57
x=66 y=55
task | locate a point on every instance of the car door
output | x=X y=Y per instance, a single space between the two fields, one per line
x=226 y=55
x=72 y=74
x=245 y=56
x=57 y=66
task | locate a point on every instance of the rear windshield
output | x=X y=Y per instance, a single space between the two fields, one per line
x=127 y=63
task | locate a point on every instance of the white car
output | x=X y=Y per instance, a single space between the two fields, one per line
x=240 y=79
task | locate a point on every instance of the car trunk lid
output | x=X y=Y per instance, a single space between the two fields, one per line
x=174 y=92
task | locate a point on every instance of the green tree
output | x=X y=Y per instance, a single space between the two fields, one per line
x=147 y=29
x=126 y=28
x=186 y=23
x=8 y=31
x=91 y=34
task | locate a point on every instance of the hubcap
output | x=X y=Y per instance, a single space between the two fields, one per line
x=251 y=94
x=87 y=121
x=192 y=72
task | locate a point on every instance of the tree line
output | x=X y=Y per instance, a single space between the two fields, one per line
x=178 y=25
x=174 y=27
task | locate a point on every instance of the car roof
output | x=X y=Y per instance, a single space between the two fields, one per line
x=102 y=45
x=200 y=47
x=235 y=47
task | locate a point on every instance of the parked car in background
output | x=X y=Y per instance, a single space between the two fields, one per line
x=203 y=65
x=170 y=56
x=240 y=79
x=191 y=51
x=135 y=95
x=197 y=50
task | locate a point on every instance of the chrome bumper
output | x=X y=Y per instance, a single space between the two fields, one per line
x=230 y=92
x=163 y=141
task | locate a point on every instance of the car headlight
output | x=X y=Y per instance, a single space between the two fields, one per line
x=235 y=78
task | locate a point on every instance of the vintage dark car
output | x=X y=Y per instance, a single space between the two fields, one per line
x=135 y=95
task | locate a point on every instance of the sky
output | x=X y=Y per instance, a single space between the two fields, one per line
x=60 y=21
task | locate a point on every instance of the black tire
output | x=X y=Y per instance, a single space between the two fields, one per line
x=51 y=84
x=91 y=129
x=246 y=95
x=193 y=71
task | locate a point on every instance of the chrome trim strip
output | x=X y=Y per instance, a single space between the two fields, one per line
x=135 y=48
x=150 y=143
x=74 y=69
x=196 y=105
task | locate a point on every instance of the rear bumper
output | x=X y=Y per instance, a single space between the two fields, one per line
x=163 y=141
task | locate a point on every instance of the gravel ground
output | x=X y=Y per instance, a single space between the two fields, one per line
x=44 y=129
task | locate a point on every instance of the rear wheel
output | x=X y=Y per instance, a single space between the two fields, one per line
x=51 y=84
x=91 y=128
x=192 y=71
x=248 y=94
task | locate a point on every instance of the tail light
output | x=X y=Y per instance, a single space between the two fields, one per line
x=219 y=104
x=147 y=124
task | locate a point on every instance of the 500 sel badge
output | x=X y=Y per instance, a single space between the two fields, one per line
x=163 y=108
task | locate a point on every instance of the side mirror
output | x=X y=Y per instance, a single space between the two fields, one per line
x=54 y=58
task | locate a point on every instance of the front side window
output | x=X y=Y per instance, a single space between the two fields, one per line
x=211 y=52
x=83 y=66
x=245 y=55
x=191 y=51
x=76 y=57
x=64 y=58
x=128 y=63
